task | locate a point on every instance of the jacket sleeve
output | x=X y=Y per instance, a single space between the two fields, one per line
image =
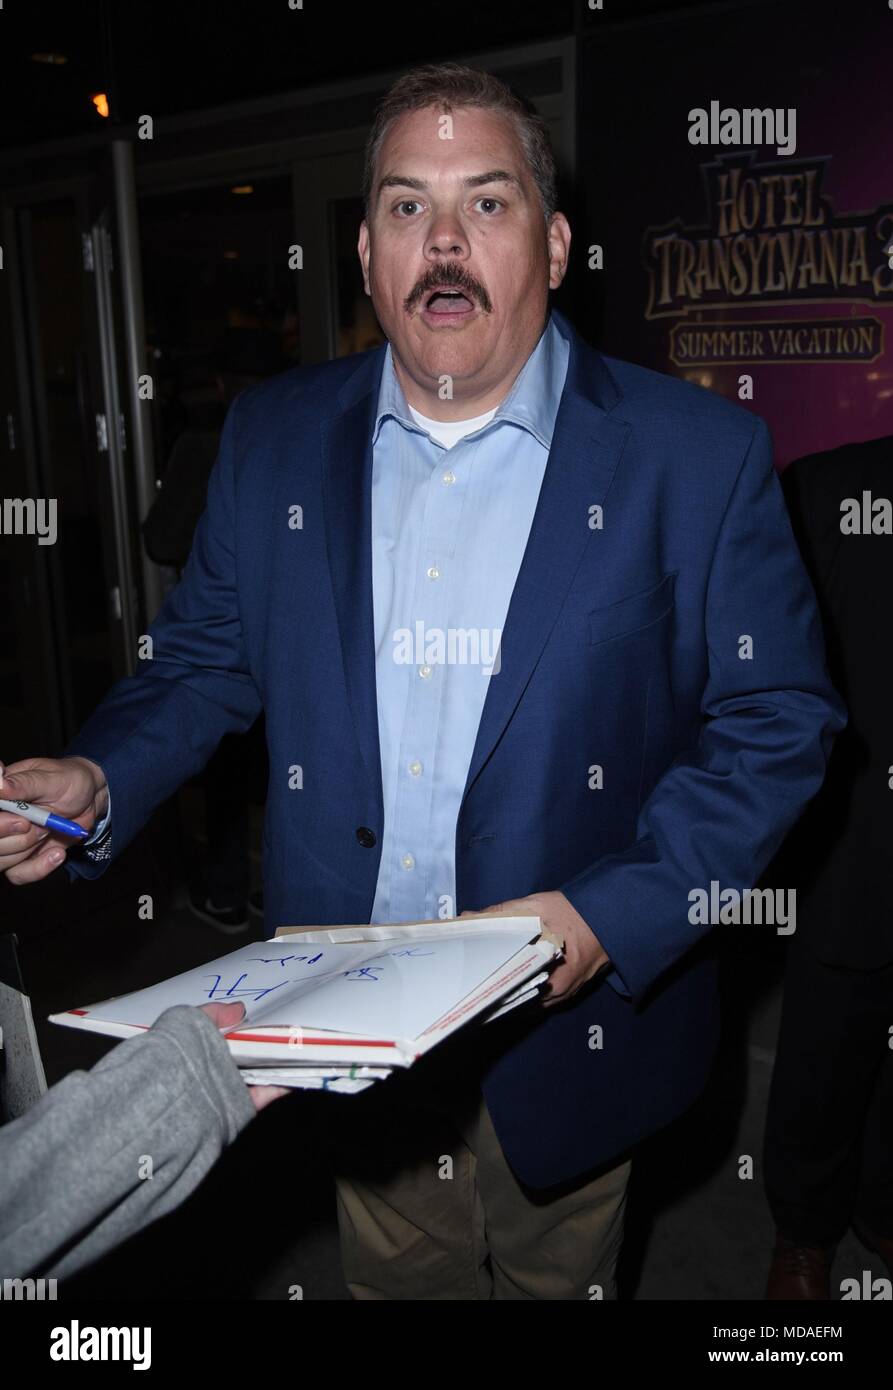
x=724 y=806
x=157 y=728
x=106 y=1152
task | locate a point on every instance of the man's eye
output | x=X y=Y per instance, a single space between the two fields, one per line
x=407 y=203
x=488 y=205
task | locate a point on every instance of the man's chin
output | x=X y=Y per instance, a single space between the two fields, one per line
x=457 y=351
x=458 y=365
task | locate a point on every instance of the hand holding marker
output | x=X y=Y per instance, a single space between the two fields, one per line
x=51 y=801
x=37 y=815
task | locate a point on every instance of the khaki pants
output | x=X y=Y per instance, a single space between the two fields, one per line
x=428 y=1208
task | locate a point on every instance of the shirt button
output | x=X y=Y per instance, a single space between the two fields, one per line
x=366 y=836
x=425 y=672
x=415 y=768
x=407 y=861
x=433 y=572
x=449 y=477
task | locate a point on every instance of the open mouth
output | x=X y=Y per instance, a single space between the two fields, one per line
x=448 y=303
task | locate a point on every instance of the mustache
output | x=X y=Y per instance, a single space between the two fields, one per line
x=449 y=276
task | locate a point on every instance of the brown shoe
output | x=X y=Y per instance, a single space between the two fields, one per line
x=799 y=1271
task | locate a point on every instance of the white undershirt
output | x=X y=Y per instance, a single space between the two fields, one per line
x=449 y=432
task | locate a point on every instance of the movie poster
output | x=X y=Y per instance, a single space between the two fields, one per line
x=742 y=198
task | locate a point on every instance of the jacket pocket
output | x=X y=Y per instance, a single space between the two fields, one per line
x=628 y=615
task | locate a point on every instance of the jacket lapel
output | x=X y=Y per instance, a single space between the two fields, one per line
x=587 y=443
x=346 y=440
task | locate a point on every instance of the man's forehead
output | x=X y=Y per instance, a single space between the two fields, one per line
x=473 y=133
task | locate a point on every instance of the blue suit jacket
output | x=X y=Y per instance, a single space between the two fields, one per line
x=622 y=648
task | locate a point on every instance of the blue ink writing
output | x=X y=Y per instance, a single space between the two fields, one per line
x=217 y=990
x=283 y=960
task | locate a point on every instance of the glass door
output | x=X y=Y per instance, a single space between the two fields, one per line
x=72 y=588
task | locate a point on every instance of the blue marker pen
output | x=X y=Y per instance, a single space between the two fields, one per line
x=38 y=816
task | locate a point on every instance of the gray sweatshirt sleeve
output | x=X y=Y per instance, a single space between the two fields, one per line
x=108 y=1151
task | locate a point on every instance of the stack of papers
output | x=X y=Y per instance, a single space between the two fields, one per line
x=338 y=1008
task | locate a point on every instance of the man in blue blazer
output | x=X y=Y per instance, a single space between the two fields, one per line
x=531 y=632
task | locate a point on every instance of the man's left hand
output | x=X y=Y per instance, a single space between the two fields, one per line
x=584 y=955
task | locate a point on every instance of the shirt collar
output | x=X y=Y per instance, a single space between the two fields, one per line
x=531 y=403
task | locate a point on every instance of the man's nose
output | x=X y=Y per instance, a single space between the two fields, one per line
x=446 y=237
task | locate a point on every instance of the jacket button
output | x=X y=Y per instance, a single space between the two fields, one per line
x=365 y=836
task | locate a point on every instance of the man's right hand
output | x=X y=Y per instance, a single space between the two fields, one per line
x=72 y=787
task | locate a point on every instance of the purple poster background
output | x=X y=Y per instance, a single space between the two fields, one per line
x=834 y=68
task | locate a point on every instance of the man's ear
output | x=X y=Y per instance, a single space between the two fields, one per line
x=559 y=242
x=363 y=250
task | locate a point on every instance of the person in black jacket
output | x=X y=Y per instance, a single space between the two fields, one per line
x=829 y=1138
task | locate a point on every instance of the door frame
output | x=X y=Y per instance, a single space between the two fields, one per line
x=48 y=680
x=44 y=582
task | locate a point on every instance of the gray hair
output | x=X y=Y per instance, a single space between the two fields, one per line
x=450 y=85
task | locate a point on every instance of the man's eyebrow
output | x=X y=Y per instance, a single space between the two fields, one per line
x=473 y=181
x=402 y=181
x=494 y=176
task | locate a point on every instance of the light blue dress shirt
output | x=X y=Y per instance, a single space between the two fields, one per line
x=449 y=530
